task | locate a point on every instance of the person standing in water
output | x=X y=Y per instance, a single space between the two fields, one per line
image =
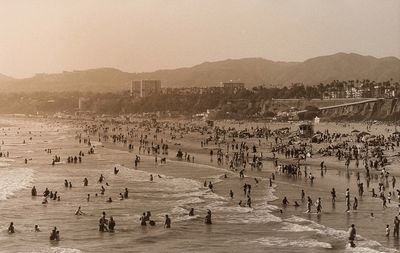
x=352 y=236
x=309 y=204
x=167 y=223
x=208 y=217
x=319 y=206
x=79 y=212
x=396 y=227
x=111 y=224
x=333 y=194
x=11 y=229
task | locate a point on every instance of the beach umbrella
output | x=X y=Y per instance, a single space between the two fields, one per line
x=363 y=134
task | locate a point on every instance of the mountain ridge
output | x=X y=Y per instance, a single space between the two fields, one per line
x=251 y=71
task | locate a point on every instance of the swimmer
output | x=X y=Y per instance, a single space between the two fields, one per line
x=191 y=212
x=37 y=229
x=53 y=234
x=111 y=224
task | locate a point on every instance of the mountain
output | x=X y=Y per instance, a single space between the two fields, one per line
x=4 y=78
x=251 y=71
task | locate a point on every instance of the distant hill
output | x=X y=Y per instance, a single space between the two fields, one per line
x=251 y=71
x=4 y=78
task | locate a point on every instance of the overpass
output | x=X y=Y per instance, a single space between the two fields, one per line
x=342 y=108
x=371 y=100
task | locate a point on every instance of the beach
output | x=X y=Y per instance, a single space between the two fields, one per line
x=177 y=186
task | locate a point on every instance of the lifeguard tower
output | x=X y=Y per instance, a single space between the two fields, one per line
x=306 y=130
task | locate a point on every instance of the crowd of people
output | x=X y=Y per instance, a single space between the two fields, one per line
x=239 y=153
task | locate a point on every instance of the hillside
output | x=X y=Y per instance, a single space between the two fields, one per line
x=251 y=71
x=4 y=78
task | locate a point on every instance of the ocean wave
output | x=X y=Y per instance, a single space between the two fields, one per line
x=292 y=227
x=3 y=164
x=58 y=250
x=363 y=244
x=283 y=242
x=3 y=159
x=14 y=180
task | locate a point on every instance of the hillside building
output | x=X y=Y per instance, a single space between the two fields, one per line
x=145 y=88
x=232 y=87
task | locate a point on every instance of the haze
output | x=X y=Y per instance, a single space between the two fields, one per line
x=145 y=35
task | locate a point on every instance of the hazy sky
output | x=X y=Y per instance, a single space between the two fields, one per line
x=143 y=35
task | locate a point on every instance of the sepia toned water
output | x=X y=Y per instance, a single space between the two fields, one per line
x=180 y=186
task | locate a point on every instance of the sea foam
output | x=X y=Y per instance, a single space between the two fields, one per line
x=14 y=180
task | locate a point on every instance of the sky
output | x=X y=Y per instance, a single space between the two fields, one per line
x=48 y=36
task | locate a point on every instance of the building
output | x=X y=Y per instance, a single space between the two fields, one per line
x=145 y=88
x=232 y=87
x=83 y=103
